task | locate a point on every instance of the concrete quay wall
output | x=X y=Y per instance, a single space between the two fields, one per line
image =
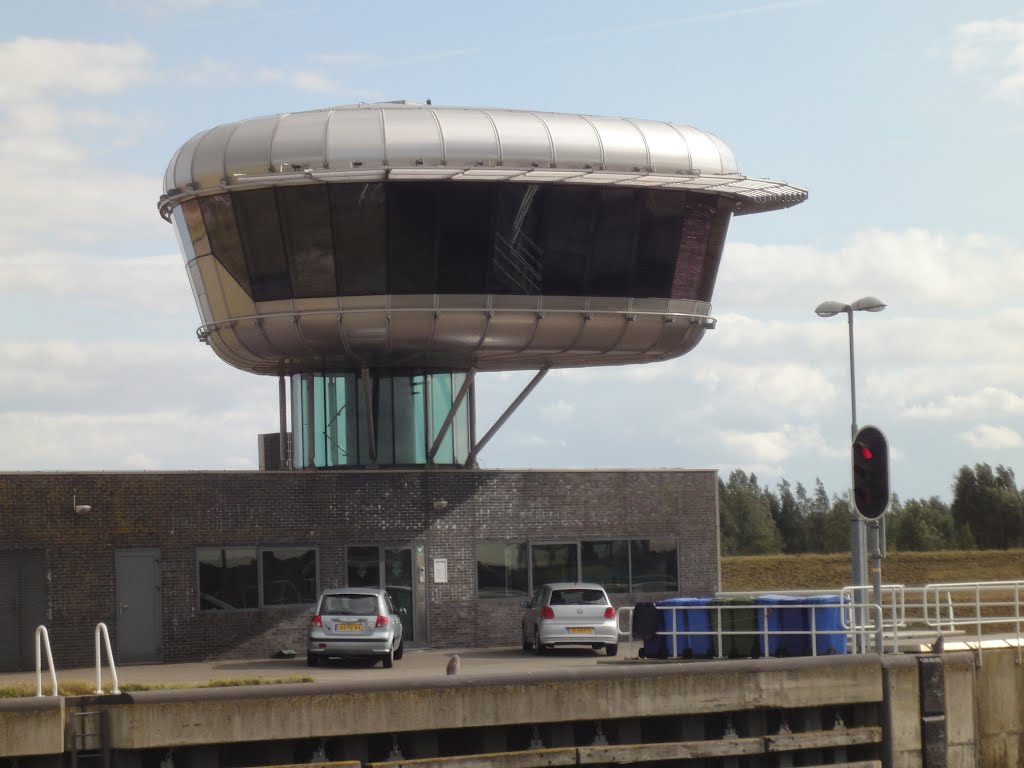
x=957 y=710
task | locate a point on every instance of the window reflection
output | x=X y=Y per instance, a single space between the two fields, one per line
x=312 y=241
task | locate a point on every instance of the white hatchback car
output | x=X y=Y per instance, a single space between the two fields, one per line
x=568 y=613
x=352 y=621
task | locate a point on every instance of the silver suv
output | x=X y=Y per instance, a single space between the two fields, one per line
x=350 y=621
x=570 y=614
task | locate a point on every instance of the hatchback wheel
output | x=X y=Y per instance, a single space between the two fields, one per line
x=389 y=660
x=400 y=652
x=611 y=649
x=538 y=649
x=526 y=644
x=312 y=661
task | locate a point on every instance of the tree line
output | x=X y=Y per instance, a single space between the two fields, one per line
x=987 y=512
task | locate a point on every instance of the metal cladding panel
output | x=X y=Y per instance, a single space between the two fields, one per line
x=169 y=180
x=667 y=149
x=469 y=138
x=704 y=153
x=729 y=164
x=412 y=138
x=208 y=158
x=182 y=173
x=355 y=138
x=248 y=151
x=523 y=138
x=576 y=144
x=622 y=146
x=320 y=332
x=299 y=141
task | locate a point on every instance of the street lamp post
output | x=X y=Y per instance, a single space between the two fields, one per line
x=858 y=548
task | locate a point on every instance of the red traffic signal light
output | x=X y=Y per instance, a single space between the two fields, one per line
x=870 y=472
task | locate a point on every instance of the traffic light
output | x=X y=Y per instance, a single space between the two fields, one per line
x=870 y=472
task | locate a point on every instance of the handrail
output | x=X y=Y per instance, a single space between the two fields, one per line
x=101 y=628
x=43 y=639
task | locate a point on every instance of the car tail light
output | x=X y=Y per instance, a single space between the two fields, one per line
x=547 y=613
x=381 y=621
x=609 y=612
x=316 y=621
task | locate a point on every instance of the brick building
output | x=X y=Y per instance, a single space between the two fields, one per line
x=152 y=557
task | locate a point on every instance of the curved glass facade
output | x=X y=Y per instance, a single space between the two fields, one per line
x=324 y=240
x=331 y=428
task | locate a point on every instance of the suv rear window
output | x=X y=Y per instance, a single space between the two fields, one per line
x=578 y=597
x=349 y=605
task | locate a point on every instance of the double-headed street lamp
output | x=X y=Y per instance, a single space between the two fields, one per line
x=858 y=549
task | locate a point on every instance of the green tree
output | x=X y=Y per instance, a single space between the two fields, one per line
x=921 y=526
x=746 y=524
x=988 y=505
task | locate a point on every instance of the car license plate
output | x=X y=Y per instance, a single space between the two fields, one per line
x=581 y=630
x=348 y=627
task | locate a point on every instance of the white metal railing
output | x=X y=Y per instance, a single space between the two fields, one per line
x=986 y=614
x=101 y=629
x=43 y=641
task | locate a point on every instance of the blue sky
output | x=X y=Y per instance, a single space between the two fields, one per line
x=903 y=120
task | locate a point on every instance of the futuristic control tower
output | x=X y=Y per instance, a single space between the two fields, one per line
x=380 y=255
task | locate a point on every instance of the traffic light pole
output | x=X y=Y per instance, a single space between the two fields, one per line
x=857 y=538
x=876 y=582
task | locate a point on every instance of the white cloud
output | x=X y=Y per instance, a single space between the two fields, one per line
x=304 y=80
x=993 y=49
x=45 y=66
x=560 y=410
x=993 y=438
x=984 y=400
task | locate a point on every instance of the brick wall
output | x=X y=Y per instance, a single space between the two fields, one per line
x=177 y=512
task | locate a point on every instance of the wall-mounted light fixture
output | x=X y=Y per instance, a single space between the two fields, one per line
x=440 y=504
x=79 y=509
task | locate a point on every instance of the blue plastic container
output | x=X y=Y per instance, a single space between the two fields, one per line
x=688 y=619
x=783 y=619
x=826 y=612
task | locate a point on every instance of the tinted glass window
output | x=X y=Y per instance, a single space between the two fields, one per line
x=412 y=238
x=219 y=216
x=307 y=235
x=349 y=605
x=515 y=259
x=360 y=242
x=465 y=232
x=501 y=569
x=615 y=243
x=606 y=563
x=658 y=247
x=228 y=578
x=363 y=566
x=654 y=565
x=256 y=211
x=289 y=576
x=554 y=562
x=566 y=238
x=578 y=597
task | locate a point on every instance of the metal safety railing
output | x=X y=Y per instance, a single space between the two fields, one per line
x=43 y=641
x=101 y=630
x=964 y=615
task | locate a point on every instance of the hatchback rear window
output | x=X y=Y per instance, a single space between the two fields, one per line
x=349 y=605
x=578 y=597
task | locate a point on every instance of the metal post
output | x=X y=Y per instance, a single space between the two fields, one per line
x=857 y=537
x=876 y=582
x=283 y=428
x=477 y=447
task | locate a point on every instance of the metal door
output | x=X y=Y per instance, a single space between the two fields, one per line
x=138 y=605
x=22 y=607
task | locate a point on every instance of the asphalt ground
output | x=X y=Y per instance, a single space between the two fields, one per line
x=418 y=664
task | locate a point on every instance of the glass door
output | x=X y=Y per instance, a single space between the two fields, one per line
x=393 y=569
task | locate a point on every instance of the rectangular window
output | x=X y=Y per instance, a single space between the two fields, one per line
x=501 y=569
x=554 y=562
x=653 y=565
x=228 y=578
x=240 y=578
x=259 y=225
x=289 y=576
x=506 y=569
x=606 y=563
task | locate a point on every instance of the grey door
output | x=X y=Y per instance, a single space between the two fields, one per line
x=22 y=608
x=138 y=605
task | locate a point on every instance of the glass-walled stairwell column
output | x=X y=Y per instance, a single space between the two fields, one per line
x=330 y=424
